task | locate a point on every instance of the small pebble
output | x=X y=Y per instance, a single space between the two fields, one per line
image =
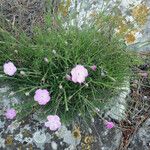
x=54 y=145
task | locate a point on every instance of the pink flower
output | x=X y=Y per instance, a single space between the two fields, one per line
x=79 y=73
x=53 y=122
x=9 y=68
x=109 y=125
x=94 y=67
x=42 y=96
x=10 y=113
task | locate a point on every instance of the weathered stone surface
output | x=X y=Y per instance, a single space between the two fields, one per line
x=95 y=136
x=119 y=103
x=25 y=135
x=141 y=140
x=106 y=139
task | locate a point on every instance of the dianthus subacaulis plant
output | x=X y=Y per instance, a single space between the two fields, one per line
x=63 y=70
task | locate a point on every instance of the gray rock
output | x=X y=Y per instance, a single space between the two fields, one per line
x=2 y=143
x=67 y=136
x=118 y=105
x=39 y=139
x=141 y=140
x=54 y=145
x=107 y=139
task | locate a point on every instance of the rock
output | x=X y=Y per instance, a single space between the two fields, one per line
x=19 y=137
x=39 y=137
x=118 y=106
x=9 y=140
x=48 y=138
x=54 y=145
x=141 y=140
x=71 y=147
x=67 y=136
x=2 y=143
x=106 y=139
x=13 y=126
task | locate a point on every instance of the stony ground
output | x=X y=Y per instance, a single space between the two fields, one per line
x=132 y=133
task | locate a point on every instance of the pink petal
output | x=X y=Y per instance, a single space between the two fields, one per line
x=9 y=68
x=109 y=125
x=94 y=67
x=10 y=113
x=79 y=73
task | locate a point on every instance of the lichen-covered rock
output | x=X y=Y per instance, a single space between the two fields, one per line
x=96 y=136
x=141 y=140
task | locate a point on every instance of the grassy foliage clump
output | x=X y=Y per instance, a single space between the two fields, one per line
x=44 y=60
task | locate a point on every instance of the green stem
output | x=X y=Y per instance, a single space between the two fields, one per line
x=66 y=103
